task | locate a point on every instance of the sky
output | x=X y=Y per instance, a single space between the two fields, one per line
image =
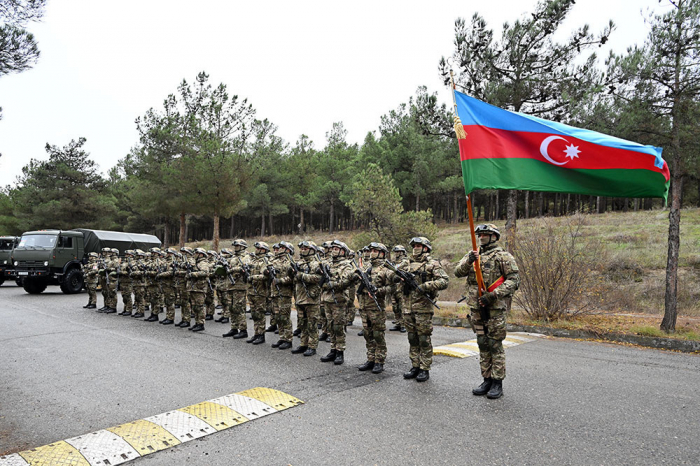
x=303 y=65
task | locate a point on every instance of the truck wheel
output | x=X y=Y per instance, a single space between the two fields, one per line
x=2 y=280
x=19 y=281
x=34 y=286
x=73 y=282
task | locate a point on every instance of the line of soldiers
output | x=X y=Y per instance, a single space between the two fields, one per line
x=323 y=283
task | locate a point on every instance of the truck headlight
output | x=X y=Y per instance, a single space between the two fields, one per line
x=16 y=263
x=4 y=263
x=46 y=263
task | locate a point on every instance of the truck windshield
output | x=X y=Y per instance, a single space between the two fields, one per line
x=37 y=241
x=6 y=244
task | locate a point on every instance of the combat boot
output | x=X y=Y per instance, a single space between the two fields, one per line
x=209 y=317
x=152 y=318
x=285 y=345
x=422 y=376
x=198 y=328
x=412 y=374
x=252 y=339
x=369 y=365
x=276 y=344
x=395 y=328
x=167 y=322
x=296 y=332
x=225 y=320
x=483 y=389
x=378 y=367
x=361 y=333
x=110 y=310
x=310 y=352
x=260 y=339
x=219 y=319
x=271 y=328
x=323 y=336
x=231 y=333
x=138 y=315
x=241 y=334
x=329 y=357
x=183 y=324
x=299 y=349
x=339 y=358
x=496 y=390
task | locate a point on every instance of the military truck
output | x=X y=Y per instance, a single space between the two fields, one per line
x=7 y=244
x=54 y=257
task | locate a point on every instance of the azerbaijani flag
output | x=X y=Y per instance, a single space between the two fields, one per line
x=508 y=150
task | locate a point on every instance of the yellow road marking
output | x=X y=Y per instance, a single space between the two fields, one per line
x=275 y=398
x=55 y=453
x=145 y=437
x=469 y=348
x=218 y=416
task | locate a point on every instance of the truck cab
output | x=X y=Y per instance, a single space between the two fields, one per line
x=7 y=244
x=49 y=257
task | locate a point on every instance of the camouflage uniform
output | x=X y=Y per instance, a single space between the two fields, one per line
x=138 y=283
x=397 y=291
x=198 y=287
x=307 y=295
x=113 y=264
x=374 y=318
x=154 y=284
x=211 y=296
x=417 y=309
x=168 y=280
x=222 y=284
x=238 y=262
x=90 y=272
x=335 y=298
x=498 y=267
x=260 y=291
x=185 y=284
x=125 y=285
x=281 y=295
x=102 y=276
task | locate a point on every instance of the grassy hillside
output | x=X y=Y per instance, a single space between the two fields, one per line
x=632 y=247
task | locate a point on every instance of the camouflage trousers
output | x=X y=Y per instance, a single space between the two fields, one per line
x=92 y=291
x=169 y=298
x=104 y=290
x=373 y=328
x=419 y=326
x=112 y=295
x=323 y=319
x=336 y=314
x=272 y=309
x=127 y=290
x=154 y=298
x=139 y=298
x=237 y=310
x=492 y=355
x=396 y=307
x=350 y=312
x=210 y=301
x=282 y=307
x=185 y=304
x=258 y=304
x=224 y=298
x=308 y=319
x=197 y=298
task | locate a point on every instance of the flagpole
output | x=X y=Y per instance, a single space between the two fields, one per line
x=477 y=264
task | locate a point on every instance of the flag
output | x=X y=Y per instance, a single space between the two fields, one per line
x=509 y=150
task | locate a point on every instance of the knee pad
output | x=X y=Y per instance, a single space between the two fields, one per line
x=413 y=339
x=424 y=341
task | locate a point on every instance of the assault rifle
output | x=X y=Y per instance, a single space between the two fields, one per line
x=409 y=281
x=367 y=284
x=103 y=266
x=273 y=274
x=296 y=270
x=224 y=263
x=326 y=277
x=246 y=270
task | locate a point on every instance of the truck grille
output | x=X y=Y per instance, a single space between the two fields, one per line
x=31 y=264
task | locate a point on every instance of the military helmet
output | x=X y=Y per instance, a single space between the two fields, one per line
x=351 y=254
x=488 y=229
x=399 y=248
x=106 y=251
x=154 y=250
x=339 y=244
x=187 y=250
x=288 y=245
x=240 y=242
x=327 y=244
x=129 y=252
x=308 y=244
x=201 y=251
x=262 y=245
x=226 y=252
x=212 y=253
x=140 y=253
x=421 y=240
x=172 y=251
x=379 y=247
x=93 y=254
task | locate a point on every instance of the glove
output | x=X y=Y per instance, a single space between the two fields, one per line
x=266 y=272
x=487 y=299
x=471 y=258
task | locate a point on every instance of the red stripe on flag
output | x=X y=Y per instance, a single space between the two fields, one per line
x=488 y=143
x=497 y=283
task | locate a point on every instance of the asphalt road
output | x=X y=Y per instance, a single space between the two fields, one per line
x=66 y=371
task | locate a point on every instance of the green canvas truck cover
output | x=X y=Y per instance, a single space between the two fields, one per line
x=95 y=240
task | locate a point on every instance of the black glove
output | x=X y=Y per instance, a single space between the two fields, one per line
x=487 y=299
x=471 y=258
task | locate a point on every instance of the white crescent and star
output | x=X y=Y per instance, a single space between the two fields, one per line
x=571 y=150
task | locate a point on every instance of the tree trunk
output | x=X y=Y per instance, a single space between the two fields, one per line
x=598 y=204
x=183 y=229
x=216 y=235
x=540 y=204
x=332 y=219
x=455 y=214
x=270 y=224
x=496 y=214
x=166 y=234
x=231 y=230
x=511 y=219
x=417 y=202
x=527 y=204
x=668 y=323
x=301 y=220
x=262 y=225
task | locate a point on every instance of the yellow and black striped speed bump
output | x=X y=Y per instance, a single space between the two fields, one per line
x=119 y=444
x=469 y=348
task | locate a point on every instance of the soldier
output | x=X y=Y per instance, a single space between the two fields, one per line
x=125 y=285
x=137 y=274
x=112 y=264
x=364 y=259
x=90 y=273
x=272 y=307
x=372 y=314
x=400 y=257
x=488 y=311
x=282 y=291
x=199 y=276
x=323 y=319
x=335 y=298
x=154 y=284
x=429 y=278
x=260 y=292
x=185 y=282
x=307 y=294
x=239 y=263
x=210 y=300
x=168 y=280
x=223 y=283
x=350 y=313
x=103 y=278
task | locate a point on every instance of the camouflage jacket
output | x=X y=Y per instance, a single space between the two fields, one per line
x=90 y=270
x=497 y=265
x=237 y=262
x=381 y=277
x=397 y=289
x=430 y=276
x=259 y=281
x=285 y=281
x=310 y=275
x=199 y=277
x=341 y=275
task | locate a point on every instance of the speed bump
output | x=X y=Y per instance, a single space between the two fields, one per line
x=469 y=348
x=125 y=442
